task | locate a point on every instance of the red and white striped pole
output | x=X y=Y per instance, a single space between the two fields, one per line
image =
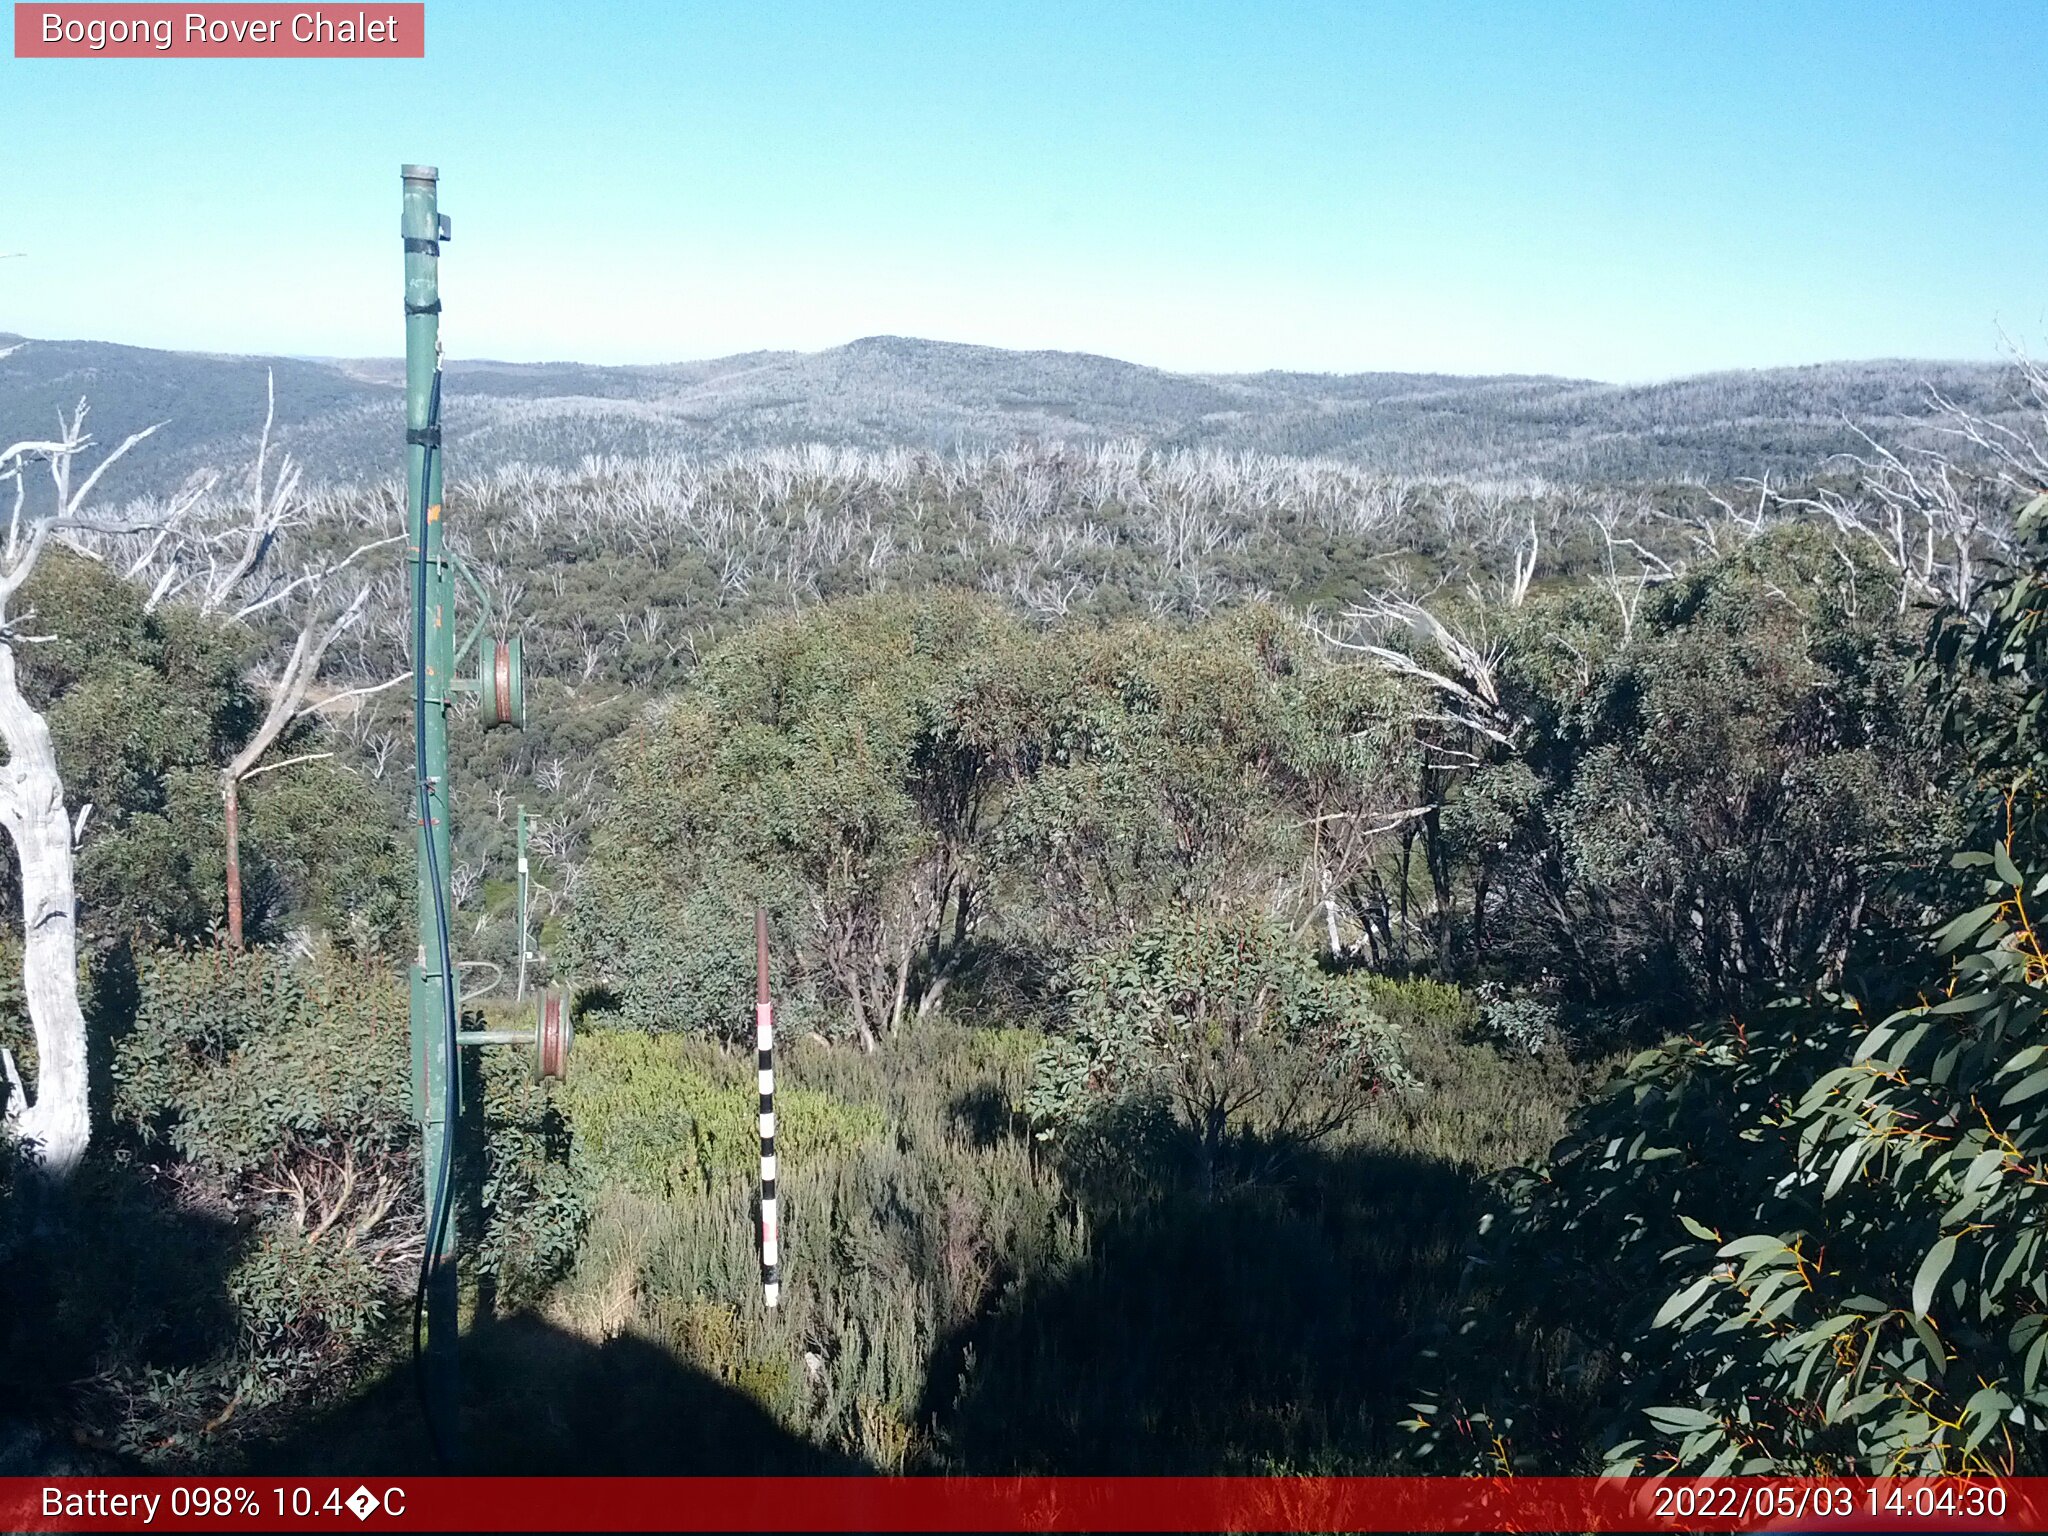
x=764 y=1043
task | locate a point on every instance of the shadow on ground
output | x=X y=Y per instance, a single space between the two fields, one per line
x=1273 y=1323
x=1269 y=1314
x=540 y=1401
x=100 y=1276
x=120 y=1329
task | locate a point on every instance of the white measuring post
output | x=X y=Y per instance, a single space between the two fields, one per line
x=525 y=874
x=764 y=1044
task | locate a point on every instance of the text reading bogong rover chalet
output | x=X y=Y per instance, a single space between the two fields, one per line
x=241 y=31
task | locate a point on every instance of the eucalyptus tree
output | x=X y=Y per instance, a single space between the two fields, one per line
x=237 y=562
x=842 y=765
x=1223 y=1022
x=1808 y=1235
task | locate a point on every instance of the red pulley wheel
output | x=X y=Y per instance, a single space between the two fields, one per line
x=501 y=689
x=552 y=1036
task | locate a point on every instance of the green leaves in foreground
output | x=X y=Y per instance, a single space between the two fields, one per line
x=1812 y=1239
x=1879 y=1302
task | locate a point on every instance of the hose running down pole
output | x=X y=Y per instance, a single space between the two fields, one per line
x=764 y=1042
x=433 y=568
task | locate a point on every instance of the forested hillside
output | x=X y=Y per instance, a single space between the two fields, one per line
x=1492 y=939
x=885 y=392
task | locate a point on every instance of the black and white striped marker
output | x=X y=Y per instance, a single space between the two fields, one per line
x=764 y=1043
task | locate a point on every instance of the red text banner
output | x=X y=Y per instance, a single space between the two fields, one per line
x=236 y=31
x=837 y=1504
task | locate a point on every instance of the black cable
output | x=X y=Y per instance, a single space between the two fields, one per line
x=437 y=1218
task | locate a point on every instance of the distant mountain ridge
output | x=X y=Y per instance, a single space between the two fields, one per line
x=342 y=417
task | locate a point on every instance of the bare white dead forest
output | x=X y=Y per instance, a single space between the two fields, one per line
x=624 y=567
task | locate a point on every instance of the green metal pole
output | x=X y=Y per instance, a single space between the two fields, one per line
x=433 y=586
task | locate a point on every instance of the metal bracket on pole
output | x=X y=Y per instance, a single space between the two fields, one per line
x=551 y=1036
x=483 y=613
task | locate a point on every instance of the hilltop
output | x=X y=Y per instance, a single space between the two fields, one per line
x=340 y=416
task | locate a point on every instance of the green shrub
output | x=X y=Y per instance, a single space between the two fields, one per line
x=259 y=1258
x=302 y=1297
x=536 y=1203
x=1418 y=1005
x=280 y=1088
x=907 y=1213
x=663 y=1116
x=1230 y=1025
x=239 y=1060
x=1517 y=1021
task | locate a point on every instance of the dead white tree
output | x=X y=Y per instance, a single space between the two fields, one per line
x=1525 y=569
x=1740 y=524
x=464 y=881
x=1459 y=721
x=52 y=1126
x=1628 y=569
x=2015 y=457
x=1465 y=685
x=322 y=626
x=1940 y=516
x=1925 y=515
x=1513 y=592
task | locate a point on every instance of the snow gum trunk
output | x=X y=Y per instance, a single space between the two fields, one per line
x=55 y=1124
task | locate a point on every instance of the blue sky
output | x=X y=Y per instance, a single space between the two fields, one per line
x=1624 y=191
